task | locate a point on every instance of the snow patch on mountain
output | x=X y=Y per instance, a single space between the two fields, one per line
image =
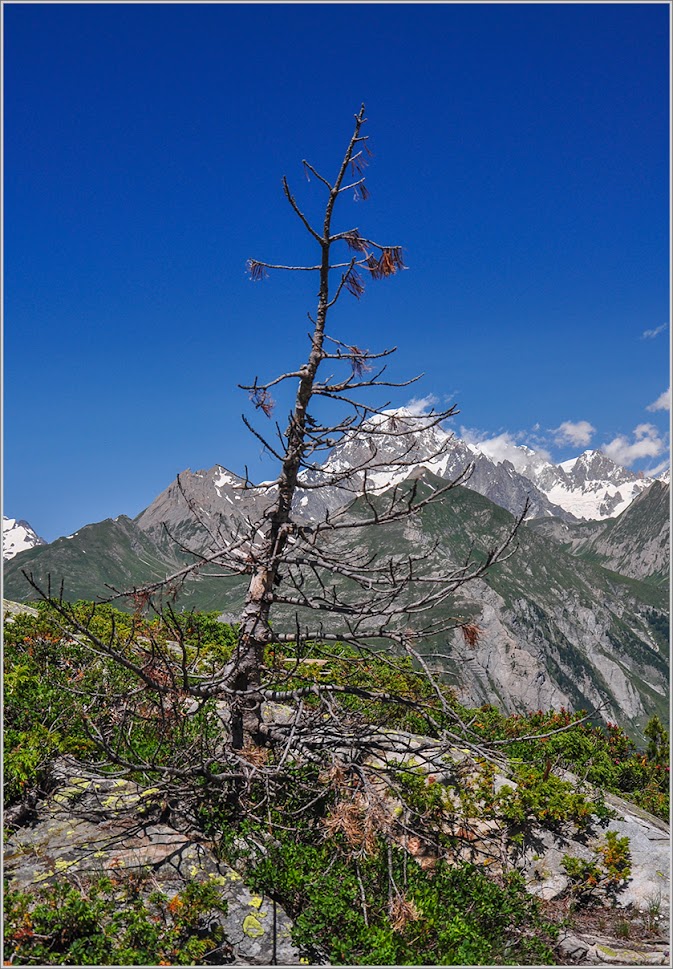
x=387 y=448
x=596 y=500
x=223 y=477
x=590 y=486
x=17 y=536
x=392 y=444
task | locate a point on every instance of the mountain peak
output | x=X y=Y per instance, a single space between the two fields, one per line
x=597 y=465
x=592 y=486
x=17 y=536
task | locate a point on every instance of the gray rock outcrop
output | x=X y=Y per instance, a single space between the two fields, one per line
x=90 y=826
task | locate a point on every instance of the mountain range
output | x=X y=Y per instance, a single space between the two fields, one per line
x=588 y=487
x=577 y=617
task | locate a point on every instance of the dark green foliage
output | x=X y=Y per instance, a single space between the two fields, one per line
x=48 y=674
x=41 y=718
x=205 y=631
x=118 y=921
x=50 y=678
x=549 y=801
x=401 y=693
x=602 y=754
x=358 y=898
x=658 y=749
x=381 y=909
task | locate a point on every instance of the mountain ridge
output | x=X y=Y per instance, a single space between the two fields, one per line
x=585 y=488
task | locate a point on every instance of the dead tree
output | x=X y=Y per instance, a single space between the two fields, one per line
x=383 y=592
x=290 y=562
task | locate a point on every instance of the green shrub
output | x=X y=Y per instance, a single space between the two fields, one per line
x=381 y=909
x=606 y=872
x=602 y=754
x=118 y=921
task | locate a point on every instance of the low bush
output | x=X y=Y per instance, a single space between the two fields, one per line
x=119 y=921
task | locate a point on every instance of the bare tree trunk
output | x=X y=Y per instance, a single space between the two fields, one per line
x=254 y=633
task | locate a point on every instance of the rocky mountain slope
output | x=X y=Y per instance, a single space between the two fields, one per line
x=109 y=554
x=555 y=630
x=592 y=486
x=395 y=446
x=588 y=487
x=635 y=543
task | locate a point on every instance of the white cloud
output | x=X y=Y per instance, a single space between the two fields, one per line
x=658 y=469
x=504 y=447
x=471 y=435
x=500 y=448
x=663 y=401
x=651 y=334
x=419 y=406
x=577 y=433
x=647 y=443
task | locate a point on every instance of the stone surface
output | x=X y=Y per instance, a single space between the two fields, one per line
x=91 y=826
x=595 y=950
x=11 y=609
x=649 y=883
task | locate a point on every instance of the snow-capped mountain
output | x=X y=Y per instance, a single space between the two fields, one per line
x=17 y=535
x=588 y=487
x=592 y=486
x=397 y=443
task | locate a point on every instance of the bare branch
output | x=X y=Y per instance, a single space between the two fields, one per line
x=293 y=203
x=317 y=174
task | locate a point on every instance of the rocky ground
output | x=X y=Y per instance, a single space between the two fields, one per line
x=88 y=826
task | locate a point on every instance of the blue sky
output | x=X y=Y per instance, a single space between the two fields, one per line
x=521 y=158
